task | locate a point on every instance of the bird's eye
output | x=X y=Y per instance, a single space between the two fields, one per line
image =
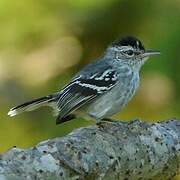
x=130 y=52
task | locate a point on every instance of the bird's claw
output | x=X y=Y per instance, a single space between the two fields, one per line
x=104 y=121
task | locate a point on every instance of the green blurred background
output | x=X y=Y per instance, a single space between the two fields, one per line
x=43 y=43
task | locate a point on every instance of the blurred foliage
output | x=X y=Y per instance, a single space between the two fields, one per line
x=43 y=43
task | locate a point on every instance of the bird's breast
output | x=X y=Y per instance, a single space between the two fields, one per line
x=126 y=88
x=114 y=100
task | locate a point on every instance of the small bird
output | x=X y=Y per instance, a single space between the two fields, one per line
x=102 y=88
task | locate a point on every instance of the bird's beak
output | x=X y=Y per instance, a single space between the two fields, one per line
x=150 y=52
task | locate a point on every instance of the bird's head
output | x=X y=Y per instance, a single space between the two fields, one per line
x=131 y=51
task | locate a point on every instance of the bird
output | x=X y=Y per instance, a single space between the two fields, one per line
x=102 y=88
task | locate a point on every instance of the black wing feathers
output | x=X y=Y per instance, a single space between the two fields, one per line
x=84 y=89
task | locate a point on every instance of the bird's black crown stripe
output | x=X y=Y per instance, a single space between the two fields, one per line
x=129 y=41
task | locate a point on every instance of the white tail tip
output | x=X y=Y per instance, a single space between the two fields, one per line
x=12 y=113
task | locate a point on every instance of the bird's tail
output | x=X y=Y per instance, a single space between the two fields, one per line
x=34 y=104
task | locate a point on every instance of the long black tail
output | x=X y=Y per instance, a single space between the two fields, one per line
x=34 y=104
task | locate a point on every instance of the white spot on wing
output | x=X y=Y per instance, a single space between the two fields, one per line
x=93 y=76
x=94 y=87
x=103 y=75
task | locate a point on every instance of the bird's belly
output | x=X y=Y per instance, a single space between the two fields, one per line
x=113 y=101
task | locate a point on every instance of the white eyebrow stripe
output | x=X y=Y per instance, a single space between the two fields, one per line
x=126 y=48
x=122 y=48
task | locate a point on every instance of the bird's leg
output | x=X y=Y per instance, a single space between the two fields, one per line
x=103 y=121
x=109 y=120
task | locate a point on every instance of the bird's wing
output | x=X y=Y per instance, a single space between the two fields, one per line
x=84 y=88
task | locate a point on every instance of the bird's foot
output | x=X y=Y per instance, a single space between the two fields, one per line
x=104 y=121
x=109 y=120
